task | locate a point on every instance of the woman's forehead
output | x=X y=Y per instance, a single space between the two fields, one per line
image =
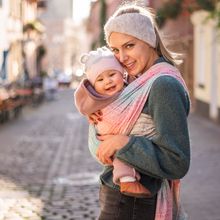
x=117 y=39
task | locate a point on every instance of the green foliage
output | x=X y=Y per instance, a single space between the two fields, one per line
x=169 y=10
x=102 y=22
x=41 y=52
x=34 y=26
x=173 y=9
x=94 y=45
x=43 y=73
x=208 y=5
x=215 y=14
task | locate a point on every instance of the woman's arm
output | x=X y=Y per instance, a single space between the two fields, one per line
x=167 y=155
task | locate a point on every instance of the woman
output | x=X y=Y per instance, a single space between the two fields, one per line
x=132 y=35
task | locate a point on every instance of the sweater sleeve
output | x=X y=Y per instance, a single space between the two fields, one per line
x=167 y=154
x=93 y=142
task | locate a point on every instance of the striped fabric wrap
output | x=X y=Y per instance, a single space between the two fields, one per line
x=120 y=117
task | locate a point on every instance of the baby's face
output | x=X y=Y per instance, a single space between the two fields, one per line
x=109 y=82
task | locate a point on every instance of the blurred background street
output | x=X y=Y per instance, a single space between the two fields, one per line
x=46 y=171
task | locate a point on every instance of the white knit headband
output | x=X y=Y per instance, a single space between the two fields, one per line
x=134 y=24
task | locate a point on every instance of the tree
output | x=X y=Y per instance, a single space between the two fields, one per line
x=102 y=22
x=171 y=9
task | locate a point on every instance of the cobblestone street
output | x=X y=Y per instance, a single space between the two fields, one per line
x=46 y=169
x=47 y=172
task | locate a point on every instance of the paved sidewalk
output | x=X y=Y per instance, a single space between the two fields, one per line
x=47 y=172
x=201 y=191
x=46 y=169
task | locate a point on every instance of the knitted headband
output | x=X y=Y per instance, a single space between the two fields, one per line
x=134 y=24
x=98 y=61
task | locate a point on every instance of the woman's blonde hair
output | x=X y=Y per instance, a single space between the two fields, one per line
x=161 y=49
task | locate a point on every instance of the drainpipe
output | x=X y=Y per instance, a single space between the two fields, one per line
x=213 y=111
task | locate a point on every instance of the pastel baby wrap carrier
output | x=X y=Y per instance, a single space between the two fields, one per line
x=120 y=118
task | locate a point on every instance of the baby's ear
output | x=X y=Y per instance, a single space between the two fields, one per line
x=84 y=58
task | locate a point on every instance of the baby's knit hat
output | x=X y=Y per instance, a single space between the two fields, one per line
x=97 y=61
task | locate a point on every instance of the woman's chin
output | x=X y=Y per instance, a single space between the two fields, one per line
x=132 y=73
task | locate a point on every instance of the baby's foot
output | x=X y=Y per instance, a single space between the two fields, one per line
x=135 y=189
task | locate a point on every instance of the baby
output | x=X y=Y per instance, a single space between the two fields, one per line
x=105 y=80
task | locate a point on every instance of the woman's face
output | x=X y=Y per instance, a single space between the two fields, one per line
x=135 y=55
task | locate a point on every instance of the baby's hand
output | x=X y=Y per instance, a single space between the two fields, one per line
x=94 y=118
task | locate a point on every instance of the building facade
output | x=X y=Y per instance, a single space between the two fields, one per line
x=19 y=39
x=62 y=37
x=177 y=34
x=207 y=66
x=10 y=40
x=33 y=31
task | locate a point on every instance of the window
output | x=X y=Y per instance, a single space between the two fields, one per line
x=42 y=4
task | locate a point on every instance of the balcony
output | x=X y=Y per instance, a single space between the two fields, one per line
x=42 y=4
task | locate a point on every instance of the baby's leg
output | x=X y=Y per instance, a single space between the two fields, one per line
x=124 y=172
x=128 y=179
x=135 y=189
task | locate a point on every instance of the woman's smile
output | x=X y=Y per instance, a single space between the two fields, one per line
x=130 y=66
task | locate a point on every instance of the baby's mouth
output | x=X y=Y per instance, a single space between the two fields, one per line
x=111 y=88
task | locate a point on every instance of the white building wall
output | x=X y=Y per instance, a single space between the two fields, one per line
x=207 y=67
x=64 y=37
x=4 y=11
x=10 y=37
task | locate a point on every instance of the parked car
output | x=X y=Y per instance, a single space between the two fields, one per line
x=50 y=88
x=64 y=79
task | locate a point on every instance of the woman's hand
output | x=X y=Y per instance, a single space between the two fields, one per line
x=109 y=145
x=94 y=118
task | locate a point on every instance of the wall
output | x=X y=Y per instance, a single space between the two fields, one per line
x=54 y=20
x=207 y=67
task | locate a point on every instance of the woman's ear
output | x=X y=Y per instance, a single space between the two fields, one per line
x=125 y=77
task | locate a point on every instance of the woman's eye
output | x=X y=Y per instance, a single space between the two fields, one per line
x=128 y=46
x=99 y=80
x=112 y=74
x=114 y=50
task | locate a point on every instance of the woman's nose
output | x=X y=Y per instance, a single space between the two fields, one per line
x=122 y=57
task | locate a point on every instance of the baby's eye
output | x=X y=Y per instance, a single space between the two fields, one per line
x=99 y=80
x=112 y=74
